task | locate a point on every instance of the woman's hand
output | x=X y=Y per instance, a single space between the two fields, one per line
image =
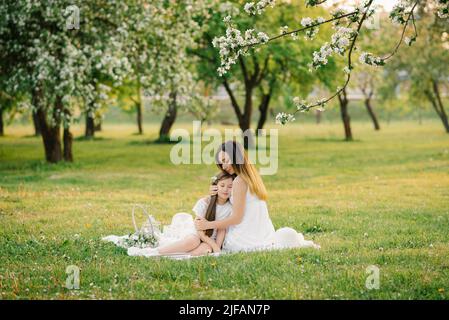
x=213 y=190
x=202 y=224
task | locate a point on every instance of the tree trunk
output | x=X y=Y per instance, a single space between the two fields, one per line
x=169 y=119
x=139 y=108
x=437 y=104
x=443 y=114
x=37 y=128
x=263 y=108
x=2 y=130
x=50 y=132
x=68 y=139
x=139 y=116
x=245 y=126
x=90 y=126
x=244 y=119
x=51 y=137
x=342 y=97
x=247 y=135
x=372 y=114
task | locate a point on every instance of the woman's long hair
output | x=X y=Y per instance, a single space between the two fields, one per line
x=243 y=168
x=212 y=207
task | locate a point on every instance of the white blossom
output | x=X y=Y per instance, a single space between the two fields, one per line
x=370 y=59
x=257 y=8
x=283 y=118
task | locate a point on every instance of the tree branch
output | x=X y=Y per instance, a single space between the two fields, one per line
x=303 y=29
x=409 y=17
x=349 y=64
x=244 y=70
x=264 y=70
x=256 y=72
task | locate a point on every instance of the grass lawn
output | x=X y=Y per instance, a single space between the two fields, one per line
x=381 y=200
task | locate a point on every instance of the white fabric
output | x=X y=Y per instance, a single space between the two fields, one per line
x=222 y=211
x=288 y=238
x=256 y=231
x=146 y=252
x=181 y=226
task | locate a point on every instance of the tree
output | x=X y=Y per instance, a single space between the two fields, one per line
x=343 y=99
x=367 y=80
x=347 y=25
x=6 y=104
x=56 y=63
x=165 y=71
x=256 y=79
x=425 y=64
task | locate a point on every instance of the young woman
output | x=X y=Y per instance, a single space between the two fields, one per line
x=214 y=208
x=249 y=225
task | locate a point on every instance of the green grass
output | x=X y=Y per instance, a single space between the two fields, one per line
x=380 y=200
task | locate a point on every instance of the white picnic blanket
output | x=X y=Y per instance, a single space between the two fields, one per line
x=182 y=225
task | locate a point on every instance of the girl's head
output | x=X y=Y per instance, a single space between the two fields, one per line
x=223 y=181
x=232 y=159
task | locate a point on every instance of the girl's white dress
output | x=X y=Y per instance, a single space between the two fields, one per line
x=182 y=224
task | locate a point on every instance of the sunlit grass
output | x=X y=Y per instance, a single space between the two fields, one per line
x=380 y=200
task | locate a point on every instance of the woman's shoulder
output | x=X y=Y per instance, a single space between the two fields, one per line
x=239 y=182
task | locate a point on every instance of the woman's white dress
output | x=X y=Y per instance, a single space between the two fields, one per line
x=256 y=231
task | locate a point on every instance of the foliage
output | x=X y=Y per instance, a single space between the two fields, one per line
x=347 y=26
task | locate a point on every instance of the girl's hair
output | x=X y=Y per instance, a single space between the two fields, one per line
x=212 y=207
x=242 y=167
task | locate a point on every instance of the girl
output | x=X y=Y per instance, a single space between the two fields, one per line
x=196 y=243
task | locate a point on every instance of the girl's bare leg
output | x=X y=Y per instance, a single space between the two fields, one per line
x=182 y=246
x=201 y=250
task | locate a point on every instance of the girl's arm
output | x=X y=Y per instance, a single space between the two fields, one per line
x=221 y=233
x=209 y=241
x=239 y=189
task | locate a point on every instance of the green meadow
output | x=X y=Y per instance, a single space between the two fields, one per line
x=380 y=200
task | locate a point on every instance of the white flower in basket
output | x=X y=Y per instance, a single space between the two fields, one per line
x=149 y=233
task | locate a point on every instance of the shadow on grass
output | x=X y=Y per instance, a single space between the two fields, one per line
x=84 y=138
x=148 y=142
x=38 y=165
x=332 y=140
x=29 y=136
